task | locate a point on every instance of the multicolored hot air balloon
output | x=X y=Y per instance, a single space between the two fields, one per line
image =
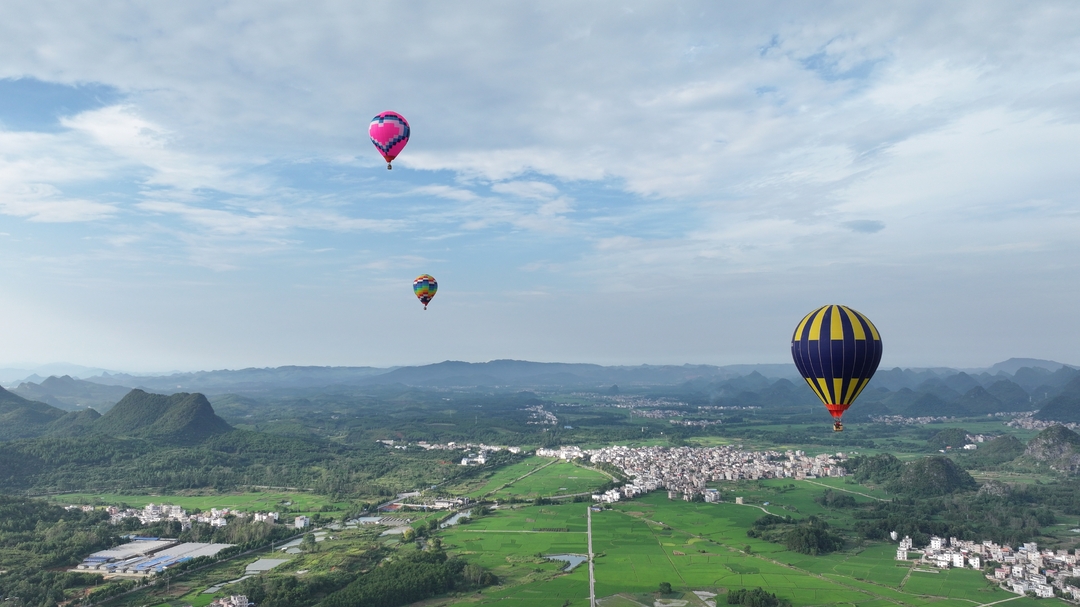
x=837 y=351
x=425 y=286
x=389 y=131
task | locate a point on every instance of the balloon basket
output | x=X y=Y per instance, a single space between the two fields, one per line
x=837 y=427
x=389 y=167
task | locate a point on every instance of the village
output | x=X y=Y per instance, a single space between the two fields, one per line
x=216 y=517
x=1024 y=570
x=684 y=471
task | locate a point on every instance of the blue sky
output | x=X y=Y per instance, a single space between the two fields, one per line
x=191 y=186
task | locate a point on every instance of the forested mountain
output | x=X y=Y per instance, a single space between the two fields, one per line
x=21 y=418
x=1065 y=407
x=182 y=416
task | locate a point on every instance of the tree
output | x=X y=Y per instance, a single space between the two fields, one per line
x=409 y=535
x=665 y=588
x=307 y=544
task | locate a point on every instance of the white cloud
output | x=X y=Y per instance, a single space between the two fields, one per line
x=651 y=145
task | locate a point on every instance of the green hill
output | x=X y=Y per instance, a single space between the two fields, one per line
x=933 y=476
x=1065 y=407
x=1004 y=448
x=74 y=423
x=182 y=417
x=22 y=418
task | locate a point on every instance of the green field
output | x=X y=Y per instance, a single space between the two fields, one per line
x=698 y=546
x=536 y=477
x=269 y=501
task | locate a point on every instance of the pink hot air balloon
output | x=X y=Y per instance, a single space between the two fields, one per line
x=389 y=131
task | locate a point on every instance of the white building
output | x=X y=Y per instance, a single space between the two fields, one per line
x=301 y=522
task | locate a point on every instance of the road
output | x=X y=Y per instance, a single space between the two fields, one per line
x=592 y=575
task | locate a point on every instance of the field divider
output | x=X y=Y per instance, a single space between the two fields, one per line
x=530 y=472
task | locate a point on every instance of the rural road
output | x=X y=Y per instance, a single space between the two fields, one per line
x=592 y=576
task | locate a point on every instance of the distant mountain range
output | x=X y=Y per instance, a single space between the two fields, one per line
x=1013 y=385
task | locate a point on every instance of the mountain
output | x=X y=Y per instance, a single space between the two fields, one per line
x=1010 y=394
x=927 y=405
x=960 y=383
x=1013 y=365
x=1065 y=407
x=938 y=388
x=979 y=401
x=72 y=394
x=520 y=373
x=244 y=380
x=22 y=418
x=1057 y=446
x=183 y=417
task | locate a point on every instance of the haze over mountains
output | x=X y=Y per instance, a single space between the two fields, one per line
x=1015 y=385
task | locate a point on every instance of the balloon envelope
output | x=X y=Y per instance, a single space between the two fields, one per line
x=837 y=351
x=425 y=286
x=389 y=131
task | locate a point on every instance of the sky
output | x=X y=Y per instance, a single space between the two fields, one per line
x=190 y=185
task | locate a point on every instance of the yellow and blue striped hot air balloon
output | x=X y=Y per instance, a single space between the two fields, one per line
x=425 y=287
x=837 y=351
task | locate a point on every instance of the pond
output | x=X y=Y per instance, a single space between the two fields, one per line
x=572 y=560
x=453 y=520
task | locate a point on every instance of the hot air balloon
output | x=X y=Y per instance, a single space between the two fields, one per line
x=425 y=286
x=389 y=131
x=837 y=351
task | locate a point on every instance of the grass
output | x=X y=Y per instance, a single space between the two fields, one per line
x=559 y=478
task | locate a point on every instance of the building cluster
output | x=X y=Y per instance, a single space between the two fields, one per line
x=1025 y=569
x=656 y=413
x=538 y=415
x=153 y=513
x=700 y=423
x=450 y=446
x=686 y=470
x=1028 y=423
x=914 y=421
x=562 y=453
x=145 y=556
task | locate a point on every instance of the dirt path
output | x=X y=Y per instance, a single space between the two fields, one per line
x=844 y=490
